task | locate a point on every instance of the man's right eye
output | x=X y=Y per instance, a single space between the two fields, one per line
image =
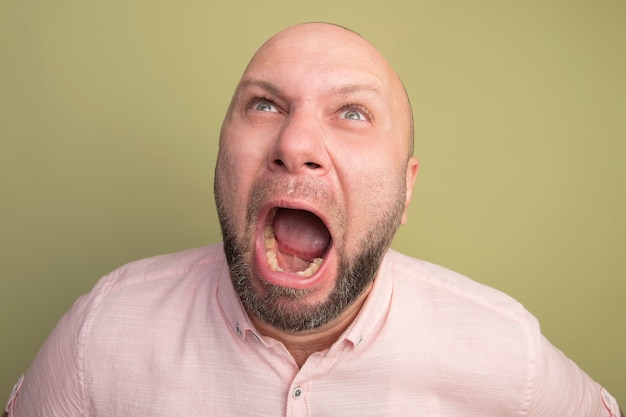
x=264 y=105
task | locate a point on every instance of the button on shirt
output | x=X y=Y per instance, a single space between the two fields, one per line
x=168 y=336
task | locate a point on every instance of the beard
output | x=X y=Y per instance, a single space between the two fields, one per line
x=286 y=308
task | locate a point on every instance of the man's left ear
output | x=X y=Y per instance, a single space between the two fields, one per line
x=411 y=173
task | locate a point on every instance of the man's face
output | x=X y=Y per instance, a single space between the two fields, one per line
x=313 y=175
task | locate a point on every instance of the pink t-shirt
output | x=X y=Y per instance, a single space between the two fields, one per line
x=167 y=336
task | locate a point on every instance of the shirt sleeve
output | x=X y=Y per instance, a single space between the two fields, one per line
x=561 y=389
x=53 y=385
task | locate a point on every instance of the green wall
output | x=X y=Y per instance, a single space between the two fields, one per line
x=110 y=112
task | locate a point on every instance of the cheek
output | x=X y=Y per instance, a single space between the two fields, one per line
x=377 y=186
x=231 y=189
x=245 y=150
x=239 y=163
x=369 y=189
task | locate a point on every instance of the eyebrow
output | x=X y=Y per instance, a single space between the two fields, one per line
x=264 y=85
x=341 y=89
x=346 y=90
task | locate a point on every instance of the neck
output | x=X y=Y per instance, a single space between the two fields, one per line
x=303 y=344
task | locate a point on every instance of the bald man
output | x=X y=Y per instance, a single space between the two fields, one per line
x=304 y=309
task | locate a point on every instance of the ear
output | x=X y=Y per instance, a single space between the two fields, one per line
x=411 y=173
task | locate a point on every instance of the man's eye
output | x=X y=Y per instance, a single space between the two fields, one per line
x=264 y=105
x=352 y=114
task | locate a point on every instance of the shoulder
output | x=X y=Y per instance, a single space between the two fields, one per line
x=149 y=306
x=141 y=308
x=162 y=268
x=463 y=319
x=464 y=330
x=442 y=289
x=147 y=289
x=150 y=291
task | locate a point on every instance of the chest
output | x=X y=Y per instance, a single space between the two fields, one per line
x=216 y=378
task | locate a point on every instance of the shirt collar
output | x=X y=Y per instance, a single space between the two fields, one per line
x=230 y=305
x=374 y=311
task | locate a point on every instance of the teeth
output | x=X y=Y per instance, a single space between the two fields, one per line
x=313 y=267
x=270 y=240
x=272 y=261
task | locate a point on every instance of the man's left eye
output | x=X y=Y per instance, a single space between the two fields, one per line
x=353 y=115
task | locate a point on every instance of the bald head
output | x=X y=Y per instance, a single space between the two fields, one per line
x=320 y=48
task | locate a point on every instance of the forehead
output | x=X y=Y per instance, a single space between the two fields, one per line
x=331 y=58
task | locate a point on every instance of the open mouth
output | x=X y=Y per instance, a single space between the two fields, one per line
x=295 y=241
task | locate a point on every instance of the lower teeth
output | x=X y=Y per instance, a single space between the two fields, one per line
x=272 y=261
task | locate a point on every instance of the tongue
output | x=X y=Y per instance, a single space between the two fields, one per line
x=300 y=233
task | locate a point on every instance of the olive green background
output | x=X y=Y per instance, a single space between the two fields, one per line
x=110 y=113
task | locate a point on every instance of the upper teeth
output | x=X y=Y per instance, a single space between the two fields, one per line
x=272 y=261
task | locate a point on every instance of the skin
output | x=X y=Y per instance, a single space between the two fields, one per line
x=319 y=122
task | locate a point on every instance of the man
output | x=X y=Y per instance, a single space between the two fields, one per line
x=304 y=310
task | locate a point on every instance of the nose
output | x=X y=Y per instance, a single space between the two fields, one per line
x=300 y=146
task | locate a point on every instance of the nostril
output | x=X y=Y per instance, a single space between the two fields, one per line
x=311 y=165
